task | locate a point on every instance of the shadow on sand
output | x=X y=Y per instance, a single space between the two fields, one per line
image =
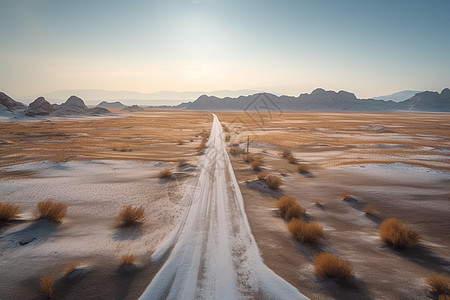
x=34 y=234
x=130 y=232
x=261 y=186
x=353 y=288
x=424 y=257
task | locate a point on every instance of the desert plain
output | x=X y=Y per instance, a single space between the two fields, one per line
x=398 y=163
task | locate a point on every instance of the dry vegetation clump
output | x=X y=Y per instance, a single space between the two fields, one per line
x=52 y=211
x=368 y=210
x=305 y=232
x=127 y=259
x=439 y=285
x=70 y=268
x=227 y=137
x=236 y=150
x=225 y=128
x=327 y=265
x=249 y=157
x=273 y=181
x=8 y=212
x=285 y=153
x=346 y=196
x=202 y=145
x=130 y=215
x=303 y=169
x=182 y=163
x=165 y=173
x=395 y=233
x=256 y=164
x=180 y=142
x=291 y=159
x=47 y=285
x=289 y=208
x=262 y=175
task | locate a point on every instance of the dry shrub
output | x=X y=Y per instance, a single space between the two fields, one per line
x=165 y=173
x=303 y=169
x=70 y=268
x=327 y=265
x=180 y=142
x=130 y=215
x=346 y=196
x=225 y=128
x=236 y=150
x=202 y=145
x=47 y=284
x=8 y=212
x=289 y=208
x=291 y=159
x=305 y=232
x=227 y=137
x=285 y=153
x=256 y=164
x=273 y=181
x=127 y=259
x=395 y=233
x=439 y=285
x=52 y=211
x=249 y=157
x=262 y=175
x=369 y=210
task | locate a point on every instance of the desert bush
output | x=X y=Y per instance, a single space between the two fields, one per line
x=439 y=285
x=305 y=232
x=165 y=173
x=180 y=142
x=327 y=265
x=202 y=145
x=285 y=153
x=225 y=128
x=273 y=181
x=70 y=268
x=291 y=159
x=47 y=285
x=53 y=211
x=346 y=196
x=127 y=259
x=8 y=212
x=262 y=175
x=256 y=164
x=236 y=150
x=227 y=137
x=368 y=210
x=395 y=233
x=249 y=157
x=303 y=169
x=289 y=208
x=130 y=215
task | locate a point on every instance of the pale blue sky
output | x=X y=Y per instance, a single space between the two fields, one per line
x=366 y=47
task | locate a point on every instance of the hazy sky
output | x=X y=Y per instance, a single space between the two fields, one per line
x=366 y=47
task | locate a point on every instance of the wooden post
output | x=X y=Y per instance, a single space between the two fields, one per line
x=248 y=142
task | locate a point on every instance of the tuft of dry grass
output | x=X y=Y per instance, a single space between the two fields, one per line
x=439 y=285
x=47 y=284
x=236 y=150
x=225 y=128
x=327 y=265
x=368 y=210
x=227 y=137
x=303 y=169
x=165 y=173
x=130 y=215
x=291 y=159
x=262 y=175
x=346 y=196
x=273 y=181
x=395 y=233
x=285 y=153
x=249 y=157
x=70 y=268
x=256 y=164
x=127 y=259
x=305 y=232
x=8 y=212
x=52 y=211
x=180 y=142
x=289 y=208
x=202 y=145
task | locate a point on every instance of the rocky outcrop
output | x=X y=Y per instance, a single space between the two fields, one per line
x=10 y=104
x=39 y=107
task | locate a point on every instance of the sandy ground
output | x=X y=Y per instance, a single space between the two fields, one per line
x=393 y=181
x=397 y=163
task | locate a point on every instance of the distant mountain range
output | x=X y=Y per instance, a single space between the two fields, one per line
x=319 y=99
x=92 y=97
x=398 y=97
